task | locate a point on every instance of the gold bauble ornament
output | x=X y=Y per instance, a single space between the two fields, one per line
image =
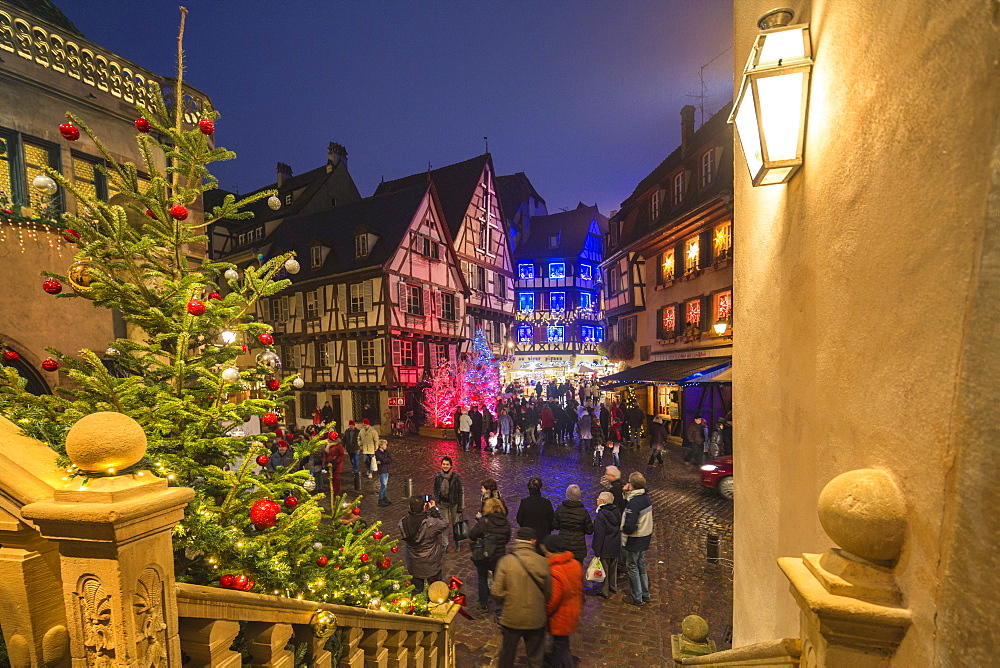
x=105 y=442
x=83 y=276
x=136 y=220
x=438 y=592
x=323 y=623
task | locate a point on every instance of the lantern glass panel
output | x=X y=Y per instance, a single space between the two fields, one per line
x=746 y=128
x=780 y=100
x=783 y=47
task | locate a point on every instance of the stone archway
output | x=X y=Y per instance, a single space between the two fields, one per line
x=36 y=383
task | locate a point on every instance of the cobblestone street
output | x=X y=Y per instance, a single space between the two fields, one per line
x=611 y=632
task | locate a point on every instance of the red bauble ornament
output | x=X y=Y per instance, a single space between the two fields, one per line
x=273 y=384
x=264 y=513
x=356 y=511
x=269 y=419
x=394 y=549
x=377 y=535
x=262 y=460
x=243 y=348
x=9 y=212
x=266 y=338
x=227 y=581
x=71 y=235
x=384 y=564
x=240 y=582
x=322 y=561
x=50 y=364
x=206 y=126
x=214 y=295
x=10 y=356
x=248 y=585
x=337 y=566
x=196 y=307
x=179 y=212
x=365 y=558
x=334 y=436
x=291 y=502
x=150 y=213
x=52 y=286
x=69 y=131
x=142 y=125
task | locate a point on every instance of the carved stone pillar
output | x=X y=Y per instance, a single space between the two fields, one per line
x=267 y=645
x=116 y=556
x=851 y=609
x=376 y=655
x=413 y=643
x=207 y=643
x=398 y=652
x=352 y=656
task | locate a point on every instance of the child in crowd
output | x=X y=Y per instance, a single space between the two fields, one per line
x=518 y=440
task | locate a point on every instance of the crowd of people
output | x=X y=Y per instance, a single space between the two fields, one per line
x=537 y=585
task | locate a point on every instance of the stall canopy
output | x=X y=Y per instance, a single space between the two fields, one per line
x=721 y=375
x=675 y=372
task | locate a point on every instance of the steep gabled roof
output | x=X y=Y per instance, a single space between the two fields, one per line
x=455 y=186
x=513 y=190
x=46 y=11
x=388 y=216
x=571 y=227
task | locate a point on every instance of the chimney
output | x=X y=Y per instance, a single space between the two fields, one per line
x=284 y=172
x=687 y=127
x=336 y=153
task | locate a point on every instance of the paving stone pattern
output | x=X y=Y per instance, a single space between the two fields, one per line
x=611 y=633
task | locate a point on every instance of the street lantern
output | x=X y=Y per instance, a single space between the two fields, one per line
x=770 y=111
x=721 y=325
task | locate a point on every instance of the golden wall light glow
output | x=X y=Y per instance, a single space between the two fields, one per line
x=770 y=111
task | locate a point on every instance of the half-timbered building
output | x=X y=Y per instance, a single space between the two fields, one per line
x=559 y=294
x=471 y=208
x=669 y=277
x=378 y=301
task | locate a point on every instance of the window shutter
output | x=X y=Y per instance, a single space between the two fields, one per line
x=367 y=293
x=397 y=355
x=300 y=309
x=679 y=260
x=706 y=314
x=401 y=296
x=326 y=298
x=437 y=304
x=311 y=354
x=283 y=315
x=660 y=334
x=452 y=352
x=379 y=344
x=705 y=249
x=420 y=346
x=352 y=353
x=342 y=303
x=426 y=307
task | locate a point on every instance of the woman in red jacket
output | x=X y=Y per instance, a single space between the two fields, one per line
x=566 y=602
x=333 y=460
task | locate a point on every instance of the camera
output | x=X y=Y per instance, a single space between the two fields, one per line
x=427 y=498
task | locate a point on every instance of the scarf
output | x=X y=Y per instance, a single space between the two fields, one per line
x=446 y=485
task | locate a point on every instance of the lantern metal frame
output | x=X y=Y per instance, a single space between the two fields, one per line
x=772 y=171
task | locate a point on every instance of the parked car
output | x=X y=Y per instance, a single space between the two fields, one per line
x=718 y=475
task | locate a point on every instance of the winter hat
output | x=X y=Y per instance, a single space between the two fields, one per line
x=350 y=423
x=366 y=421
x=554 y=543
x=526 y=533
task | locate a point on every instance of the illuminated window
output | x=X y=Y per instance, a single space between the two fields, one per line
x=361 y=245
x=598 y=333
x=667 y=267
x=556 y=333
x=586 y=272
x=691 y=251
x=722 y=240
x=692 y=312
x=323 y=353
x=525 y=333
x=315 y=256
x=557 y=301
x=88 y=180
x=586 y=301
x=588 y=333
x=36 y=159
x=723 y=304
x=654 y=206
x=525 y=271
x=557 y=270
x=678 y=189
x=5 y=165
x=707 y=167
x=406 y=356
x=357 y=304
x=312 y=306
x=526 y=301
x=668 y=321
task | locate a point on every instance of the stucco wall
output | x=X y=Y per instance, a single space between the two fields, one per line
x=866 y=325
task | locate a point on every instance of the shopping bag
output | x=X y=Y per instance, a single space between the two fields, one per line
x=373 y=465
x=460 y=530
x=595 y=572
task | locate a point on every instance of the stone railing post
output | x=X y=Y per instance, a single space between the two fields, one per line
x=412 y=642
x=267 y=645
x=851 y=608
x=116 y=556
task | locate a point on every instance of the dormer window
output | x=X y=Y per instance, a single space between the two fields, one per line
x=316 y=256
x=361 y=245
x=654 y=206
x=678 y=189
x=554 y=241
x=707 y=167
x=288 y=199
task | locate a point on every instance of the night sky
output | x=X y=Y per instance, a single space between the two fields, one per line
x=584 y=97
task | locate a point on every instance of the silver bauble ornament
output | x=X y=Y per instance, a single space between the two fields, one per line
x=317 y=546
x=395 y=586
x=269 y=359
x=232 y=275
x=112 y=352
x=274 y=202
x=231 y=375
x=298 y=383
x=375 y=603
x=292 y=265
x=366 y=577
x=309 y=485
x=45 y=184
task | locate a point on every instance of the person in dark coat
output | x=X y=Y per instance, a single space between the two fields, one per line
x=536 y=511
x=489 y=539
x=421 y=529
x=282 y=457
x=327 y=413
x=351 y=444
x=574 y=523
x=657 y=441
x=476 y=433
x=634 y=418
x=607 y=541
x=613 y=481
x=695 y=436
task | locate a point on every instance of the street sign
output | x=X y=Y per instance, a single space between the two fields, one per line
x=396 y=401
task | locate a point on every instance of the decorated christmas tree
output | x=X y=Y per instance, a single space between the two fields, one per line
x=479 y=375
x=249 y=527
x=441 y=397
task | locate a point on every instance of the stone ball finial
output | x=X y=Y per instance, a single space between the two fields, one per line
x=864 y=512
x=694 y=628
x=105 y=442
